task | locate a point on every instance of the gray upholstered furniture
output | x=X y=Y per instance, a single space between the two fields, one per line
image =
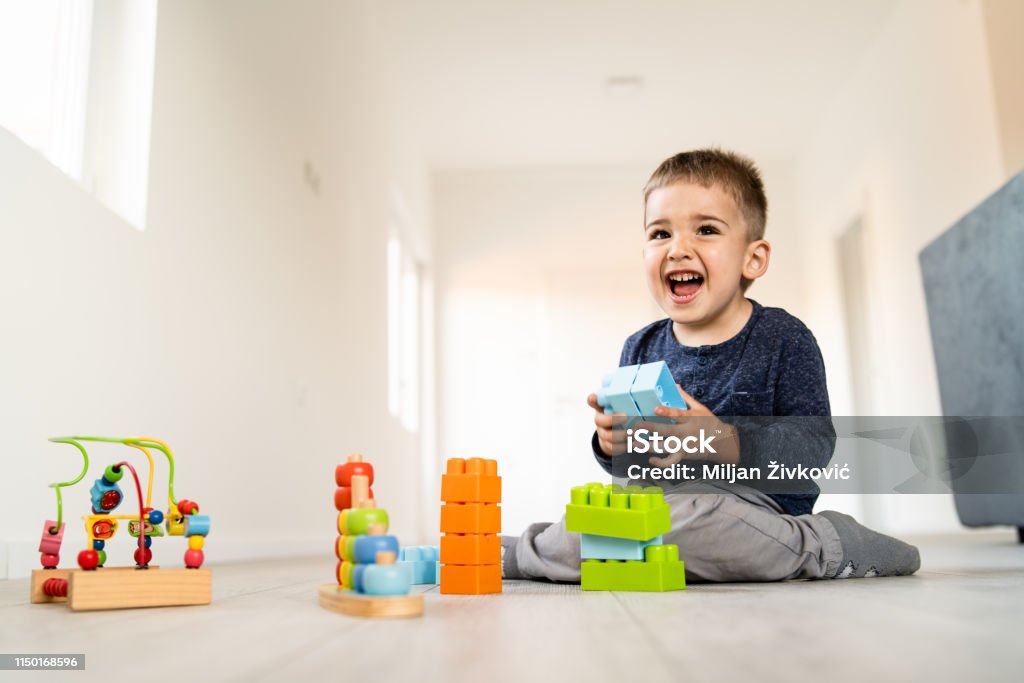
x=974 y=284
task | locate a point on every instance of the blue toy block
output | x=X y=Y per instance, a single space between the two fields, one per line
x=365 y=548
x=594 y=547
x=636 y=390
x=614 y=394
x=420 y=562
x=653 y=387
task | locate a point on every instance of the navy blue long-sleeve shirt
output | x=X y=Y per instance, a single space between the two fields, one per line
x=772 y=367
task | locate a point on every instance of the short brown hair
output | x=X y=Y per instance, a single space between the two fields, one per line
x=734 y=173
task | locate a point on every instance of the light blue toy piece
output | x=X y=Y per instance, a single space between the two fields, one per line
x=100 y=488
x=594 y=547
x=653 y=387
x=384 y=579
x=614 y=394
x=197 y=525
x=365 y=548
x=357 y=577
x=421 y=563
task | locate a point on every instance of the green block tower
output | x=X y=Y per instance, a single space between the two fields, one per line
x=634 y=515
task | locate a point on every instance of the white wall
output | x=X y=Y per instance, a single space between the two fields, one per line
x=910 y=143
x=246 y=325
x=539 y=283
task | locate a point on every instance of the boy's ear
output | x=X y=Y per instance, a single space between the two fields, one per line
x=756 y=262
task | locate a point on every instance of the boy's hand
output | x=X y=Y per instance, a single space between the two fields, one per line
x=612 y=441
x=689 y=423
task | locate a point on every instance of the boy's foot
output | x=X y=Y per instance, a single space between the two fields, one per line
x=509 y=566
x=867 y=553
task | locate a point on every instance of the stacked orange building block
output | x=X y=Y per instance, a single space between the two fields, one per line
x=470 y=524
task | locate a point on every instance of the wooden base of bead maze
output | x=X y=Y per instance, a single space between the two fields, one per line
x=337 y=599
x=125 y=587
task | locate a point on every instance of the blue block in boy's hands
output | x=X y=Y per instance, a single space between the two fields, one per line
x=614 y=394
x=653 y=387
x=636 y=390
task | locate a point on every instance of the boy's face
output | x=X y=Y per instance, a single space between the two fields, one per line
x=696 y=252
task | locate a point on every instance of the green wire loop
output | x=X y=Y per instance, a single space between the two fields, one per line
x=58 y=485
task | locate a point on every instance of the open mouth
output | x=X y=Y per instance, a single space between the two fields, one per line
x=684 y=285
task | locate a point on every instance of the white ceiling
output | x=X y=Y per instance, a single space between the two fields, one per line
x=499 y=83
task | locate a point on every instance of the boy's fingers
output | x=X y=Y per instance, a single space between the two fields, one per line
x=615 y=436
x=609 y=420
x=661 y=427
x=592 y=402
x=693 y=403
x=611 y=447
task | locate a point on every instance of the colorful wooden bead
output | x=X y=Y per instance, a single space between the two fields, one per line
x=156 y=517
x=193 y=558
x=105 y=496
x=98 y=544
x=142 y=556
x=175 y=523
x=195 y=542
x=49 y=560
x=357 y=574
x=385 y=579
x=367 y=547
x=149 y=541
x=346 y=574
x=343 y=473
x=187 y=507
x=358 y=522
x=345 y=548
x=50 y=541
x=343 y=498
x=113 y=473
x=104 y=528
x=102 y=556
x=88 y=559
x=197 y=525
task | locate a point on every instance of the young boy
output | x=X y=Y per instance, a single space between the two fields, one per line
x=704 y=221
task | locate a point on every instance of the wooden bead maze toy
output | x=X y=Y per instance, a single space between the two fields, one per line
x=94 y=586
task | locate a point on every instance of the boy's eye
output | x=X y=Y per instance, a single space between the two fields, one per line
x=707 y=230
x=657 y=235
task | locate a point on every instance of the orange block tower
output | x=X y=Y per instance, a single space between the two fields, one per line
x=470 y=524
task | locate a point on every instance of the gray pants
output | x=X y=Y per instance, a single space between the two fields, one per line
x=724 y=533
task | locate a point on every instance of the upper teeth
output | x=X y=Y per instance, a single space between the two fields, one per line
x=683 y=277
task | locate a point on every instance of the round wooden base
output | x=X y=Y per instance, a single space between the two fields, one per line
x=337 y=599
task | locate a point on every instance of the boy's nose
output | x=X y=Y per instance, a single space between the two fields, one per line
x=680 y=248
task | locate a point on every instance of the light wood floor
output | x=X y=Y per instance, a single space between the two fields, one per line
x=960 y=619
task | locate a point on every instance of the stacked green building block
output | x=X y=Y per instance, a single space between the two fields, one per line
x=636 y=515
